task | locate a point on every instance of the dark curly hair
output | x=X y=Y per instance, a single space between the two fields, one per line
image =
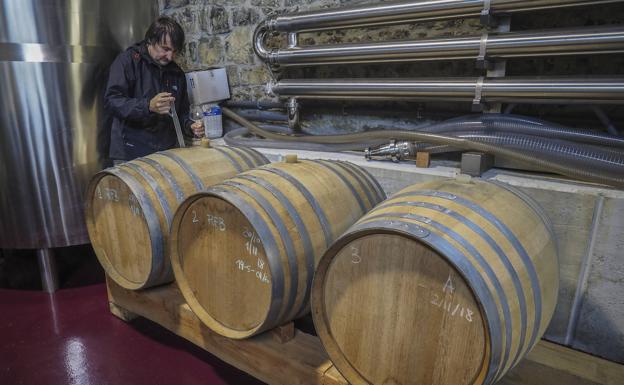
x=162 y=27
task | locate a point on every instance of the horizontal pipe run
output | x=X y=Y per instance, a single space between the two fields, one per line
x=411 y=11
x=532 y=44
x=505 y=90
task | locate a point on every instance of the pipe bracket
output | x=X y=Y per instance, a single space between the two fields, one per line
x=486 y=17
x=477 y=103
x=482 y=62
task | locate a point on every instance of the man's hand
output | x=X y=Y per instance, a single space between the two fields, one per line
x=161 y=103
x=198 y=129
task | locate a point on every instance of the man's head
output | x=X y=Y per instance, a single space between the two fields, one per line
x=164 y=39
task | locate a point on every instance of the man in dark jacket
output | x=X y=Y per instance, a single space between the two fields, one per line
x=143 y=83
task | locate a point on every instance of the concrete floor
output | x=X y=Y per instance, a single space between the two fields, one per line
x=71 y=338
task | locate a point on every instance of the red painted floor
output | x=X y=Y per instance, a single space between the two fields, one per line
x=70 y=338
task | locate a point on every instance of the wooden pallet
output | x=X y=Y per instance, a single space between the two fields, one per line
x=287 y=356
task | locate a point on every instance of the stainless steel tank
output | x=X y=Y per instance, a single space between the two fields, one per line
x=54 y=59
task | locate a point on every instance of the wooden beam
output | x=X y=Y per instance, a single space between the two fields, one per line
x=303 y=360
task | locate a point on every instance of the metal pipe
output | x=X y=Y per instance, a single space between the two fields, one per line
x=293 y=39
x=411 y=11
x=504 y=90
x=257 y=104
x=495 y=46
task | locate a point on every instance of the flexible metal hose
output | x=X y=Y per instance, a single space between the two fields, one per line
x=554 y=149
x=553 y=146
x=234 y=138
x=525 y=125
x=539 y=159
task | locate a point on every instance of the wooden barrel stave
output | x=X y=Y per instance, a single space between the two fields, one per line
x=449 y=211
x=482 y=243
x=452 y=233
x=294 y=224
x=280 y=223
x=508 y=234
x=295 y=206
x=162 y=180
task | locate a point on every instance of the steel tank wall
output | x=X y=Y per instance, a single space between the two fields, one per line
x=54 y=59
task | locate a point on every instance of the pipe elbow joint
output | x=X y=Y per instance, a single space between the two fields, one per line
x=259 y=36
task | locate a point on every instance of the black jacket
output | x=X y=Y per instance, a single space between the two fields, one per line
x=134 y=79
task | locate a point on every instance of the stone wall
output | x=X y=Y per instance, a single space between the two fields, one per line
x=219 y=33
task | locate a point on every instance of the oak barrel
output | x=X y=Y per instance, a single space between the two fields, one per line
x=129 y=207
x=244 y=251
x=445 y=283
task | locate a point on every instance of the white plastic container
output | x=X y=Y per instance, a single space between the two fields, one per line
x=213 y=123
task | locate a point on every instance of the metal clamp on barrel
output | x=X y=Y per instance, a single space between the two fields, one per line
x=486 y=16
x=477 y=103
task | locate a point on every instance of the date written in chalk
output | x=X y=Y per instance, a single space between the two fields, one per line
x=454 y=309
x=261 y=275
x=445 y=301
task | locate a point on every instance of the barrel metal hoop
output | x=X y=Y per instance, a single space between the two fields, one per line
x=497 y=249
x=260 y=159
x=244 y=156
x=329 y=166
x=526 y=260
x=284 y=235
x=362 y=182
x=484 y=265
x=151 y=218
x=474 y=279
x=269 y=243
x=162 y=200
x=229 y=157
x=199 y=185
x=318 y=210
x=539 y=211
x=301 y=229
x=381 y=194
x=167 y=175
x=160 y=194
